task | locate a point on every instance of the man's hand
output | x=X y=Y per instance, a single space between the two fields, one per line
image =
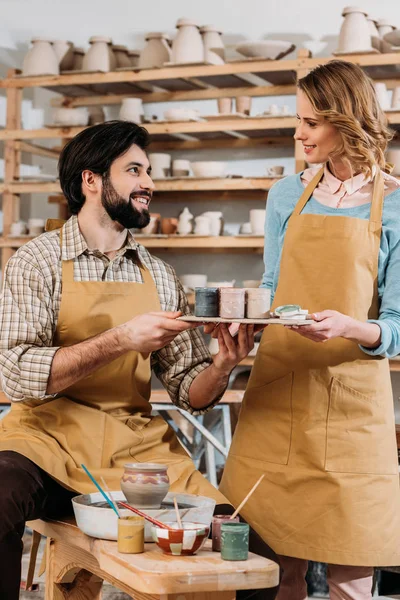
x=152 y=331
x=232 y=349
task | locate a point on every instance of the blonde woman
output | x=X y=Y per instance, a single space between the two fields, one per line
x=317 y=416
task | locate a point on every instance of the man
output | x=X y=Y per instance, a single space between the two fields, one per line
x=86 y=313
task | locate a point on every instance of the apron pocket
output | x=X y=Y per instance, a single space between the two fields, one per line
x=264 y=430
x=359 y=438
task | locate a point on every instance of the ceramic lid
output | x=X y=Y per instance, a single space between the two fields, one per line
x=187 y=22
x=209 y=29
x=156 y=35
x=100 y=38
x=353 y=9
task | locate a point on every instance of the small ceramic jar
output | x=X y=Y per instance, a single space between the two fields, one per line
x=134 y=56
x=202 y=225
x=217 y=522
x=99 y=57
x=185 y=222
x=160 y=165
x=188 y=45
x=41 y=59
x=70 y=117
x=121 y=56
x=243 y=105
x=131 y=535
x=156 y=52
x=258 y=303
x=354 y=34
x=206 y=302
x=132 y=110
x=36 y=226
x=145 y=485
x=257 y=220
x=235 y=541
x=65 y=53
x=375 y=38
x=214 y=50
x=169 y=225
x=232 y=303
x=180 y=167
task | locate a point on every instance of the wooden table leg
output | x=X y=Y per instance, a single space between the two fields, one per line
x=65 y=578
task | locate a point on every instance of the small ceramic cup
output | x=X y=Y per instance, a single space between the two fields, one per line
x=225 y=105
x=180 y=167
x=257 y=220
x=274 y=110
x=36 y=226
x=275 y=171
x=232 y=303
x=243 y=104
x=18 y=228
x=217 y=520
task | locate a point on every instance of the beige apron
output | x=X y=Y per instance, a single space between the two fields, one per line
x=318 y=418
x=105 y=419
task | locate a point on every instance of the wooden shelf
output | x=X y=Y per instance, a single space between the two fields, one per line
x=176 y=242
x=191 y=184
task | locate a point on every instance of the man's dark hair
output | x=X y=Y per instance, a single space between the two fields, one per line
x=95 y=149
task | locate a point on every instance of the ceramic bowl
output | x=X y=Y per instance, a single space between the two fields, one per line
x=272 y=49
x=180 y=542
x=181 y=114
x=208 y=168
x=194 y=280
x=71 y=117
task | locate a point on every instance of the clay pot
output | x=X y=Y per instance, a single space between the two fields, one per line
x=160 y=165
x=354 y=34
x=384 y=27
x=243 y=105
x=65 y=53
x=145 y=485
x=99 y=57
x=214 y=50
x=225 y=105
x=79 y=53
x=156 y=52
x=41 y=59
x=134 y=56
x=169 y=225
x=375 y=38
x=121 y=56
x=188 y=45
x=132 y=110
x=180 y=167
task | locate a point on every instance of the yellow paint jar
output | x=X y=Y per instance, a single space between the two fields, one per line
x=131 y=535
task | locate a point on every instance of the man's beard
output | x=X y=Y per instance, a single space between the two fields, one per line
x=121 y=210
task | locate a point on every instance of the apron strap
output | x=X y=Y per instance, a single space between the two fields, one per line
x=308 y=192
x=52 y=224
x=377 y=199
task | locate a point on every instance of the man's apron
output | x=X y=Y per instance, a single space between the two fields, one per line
x=104 y=420
x=318 y=418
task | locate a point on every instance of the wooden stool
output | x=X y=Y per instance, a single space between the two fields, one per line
x=77 y=565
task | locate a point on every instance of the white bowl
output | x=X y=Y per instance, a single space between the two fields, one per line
x=192 y=281
x=208 y=168
x=271 y=49
x=71 y=116
x=181 y=114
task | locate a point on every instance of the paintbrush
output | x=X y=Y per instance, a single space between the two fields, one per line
x=142 y=514
x=253 y=489
x=111 y=496
x=100 y=489
x=178 y=516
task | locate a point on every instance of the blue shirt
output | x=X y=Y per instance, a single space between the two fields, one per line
x=282 y=200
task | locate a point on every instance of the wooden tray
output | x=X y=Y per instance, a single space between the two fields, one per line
x=270 y=321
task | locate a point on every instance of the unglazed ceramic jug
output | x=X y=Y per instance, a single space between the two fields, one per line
x=41 y=59
x=354 y=34
x=99 y=57
x=145 y=485
x=188 y=45
x=156 y=52
x=214 y=50
x=185 y=222
x=65 y=53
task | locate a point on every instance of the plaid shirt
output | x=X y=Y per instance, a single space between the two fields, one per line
x=30 y=304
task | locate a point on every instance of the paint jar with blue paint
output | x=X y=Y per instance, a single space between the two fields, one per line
x=235 y=541
x=206 y=302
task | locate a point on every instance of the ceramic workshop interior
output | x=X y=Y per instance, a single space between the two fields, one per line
x=220 y=109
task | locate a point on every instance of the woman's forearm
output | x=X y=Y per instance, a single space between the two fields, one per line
x=364 y=333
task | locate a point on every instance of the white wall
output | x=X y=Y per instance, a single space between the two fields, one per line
x=311 y=23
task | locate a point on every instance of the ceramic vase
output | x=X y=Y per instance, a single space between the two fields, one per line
x=169 y=225
x=160 y=165
x=216 y=223
x=79 y=53
x=354 y=34
x=145 y=485
x=214 y=50
x=99 y=57
x=41 y=59
x=375 y=38
x=65 y=53
x=121 y=56
x=384 y=27
x=202 y=225
x=156 y=52
x=382 y=95
x=132 y=110
x=185 y=222
x=187 y=46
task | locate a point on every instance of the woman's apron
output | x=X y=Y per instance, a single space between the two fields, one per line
x=317 y=418
x=103 y=420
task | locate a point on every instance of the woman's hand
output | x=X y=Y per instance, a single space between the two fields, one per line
x=232 y=349
x=328 y=324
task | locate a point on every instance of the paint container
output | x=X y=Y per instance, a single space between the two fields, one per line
x=232 y=303
x=217 y=521
x=258 y=303
x=131 y=535
x=235 y=541
x=206 y=302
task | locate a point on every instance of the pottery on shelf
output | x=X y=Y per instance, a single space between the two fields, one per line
x=160 y=165
x=79 y=53
x=180 y=167
x=145 y=485
x=96 y=115
x=257 y=219
x=385 y=28
x=169 y=225
x=154 y=224
x=65 y=53
x=202 y=225
x=393 y=157
x=70 y=117
x=225 y=105
x=382 y=94
x=208 y=168
x=216 y=222
x=187 y=47
x=271 y=49
x=132 y=110
x=121 y=56
x=156 y=51
x=100 y=56
x=243 y=105
x=41 y=59
x=374 y=33
x=214 y=49
x=355 y=35
x=185 y=222
x=275 y=171
x=396 y=97
x=134 y=56
x=193 y=280
x=181 y=114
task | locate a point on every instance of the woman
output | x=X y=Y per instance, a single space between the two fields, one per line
x=318 y=418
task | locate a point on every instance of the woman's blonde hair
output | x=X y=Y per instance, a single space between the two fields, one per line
x=344 y=96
